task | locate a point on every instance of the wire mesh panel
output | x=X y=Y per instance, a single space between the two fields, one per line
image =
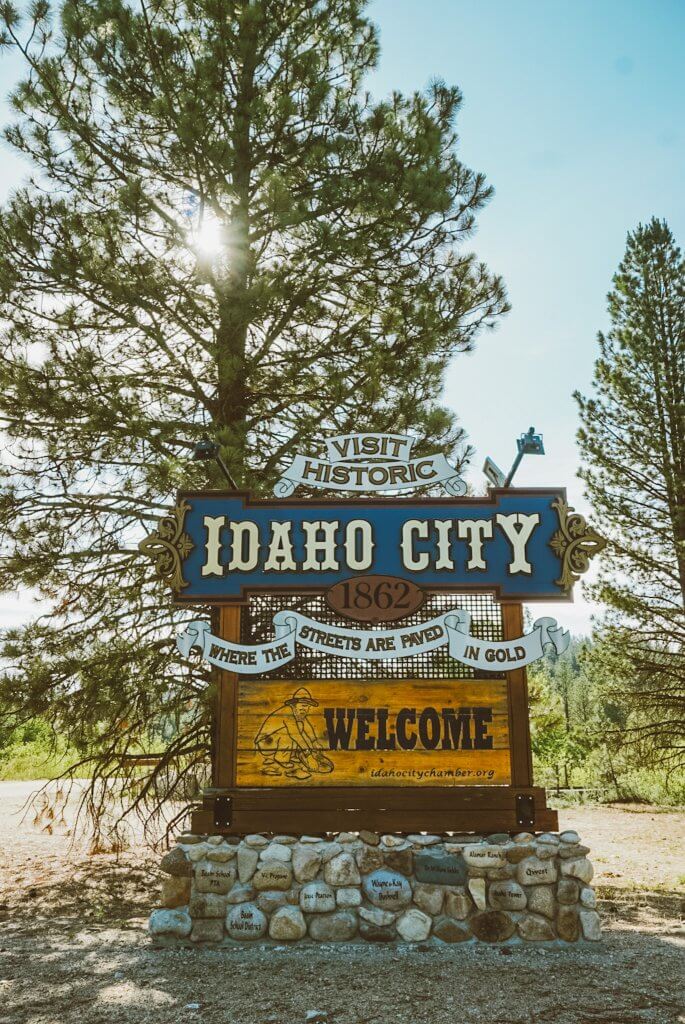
x=486 y=625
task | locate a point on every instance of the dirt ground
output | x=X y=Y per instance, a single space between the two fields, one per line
x=73 y=947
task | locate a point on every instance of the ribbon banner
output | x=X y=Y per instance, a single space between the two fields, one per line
x=348 y=468
x=451 y=628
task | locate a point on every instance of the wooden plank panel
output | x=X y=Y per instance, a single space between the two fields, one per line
x=227 y=682
x=327 y=733
x=443 y=798
x=521 y=755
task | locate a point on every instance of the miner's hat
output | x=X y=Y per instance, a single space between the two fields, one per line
x=303 y=696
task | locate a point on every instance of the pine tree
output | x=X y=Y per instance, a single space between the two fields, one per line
x=334 y=293
x=633 y=444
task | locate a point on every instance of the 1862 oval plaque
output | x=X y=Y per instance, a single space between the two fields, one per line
x=375 y=598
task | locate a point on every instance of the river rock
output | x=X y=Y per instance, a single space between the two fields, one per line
x=346 y=837
x=492 y=926
x=374 y=915
x=498 y=839
x=306 y=863
x=256 y=841
x=221 y=854
x=196 y=853
x=506 y=896
x=568 y=925
x=545 y=851
x=342 y=870
x=271 y=900
x=413 y=925
x=285 y=840
x=524 y=837
x=591 y=925
x=541 y=900
x=476 y=887
x=287 y=924
x=458 y=904
x=328 y=851
x=246 y=921
x=207 y=904
x=588 y=897
x=207 y=930
x=211 y=877
x=272 y=875
x=175 y=891
x=317 y=898
x=176 y=863
x=567 y=891
x=429 y=898
x=348 y=898
x=448 y=930
x=580 y=869
x=569 y=836
x=572 y=851
x=394 y=841
x=341 y=926
x=247 y=860
x=400 y=860
x=420 y=840
x=515 y=854
x=533 y=871
x=369 y=858
x=547 y=838
x=241 y=894
x=387 y=890
x=371 y=838
x=376 y=932
x=502 y=874
x=170 y=922
x=484 y=856
x=534 y=928
x=276 y=852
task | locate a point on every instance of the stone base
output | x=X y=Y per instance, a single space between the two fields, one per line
x=363 y=887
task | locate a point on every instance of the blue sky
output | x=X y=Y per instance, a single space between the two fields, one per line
x=574 y=111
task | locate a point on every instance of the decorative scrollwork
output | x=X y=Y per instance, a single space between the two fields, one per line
x=168 y=545
x=575 y=543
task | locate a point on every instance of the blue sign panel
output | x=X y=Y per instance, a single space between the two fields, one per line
x=227 y=545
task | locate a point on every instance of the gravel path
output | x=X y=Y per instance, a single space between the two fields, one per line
x=73 y=949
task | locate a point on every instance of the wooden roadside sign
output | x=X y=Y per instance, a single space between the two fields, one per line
x=305 y=753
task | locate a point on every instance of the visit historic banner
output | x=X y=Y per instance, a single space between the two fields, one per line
x=353 y=733
x=451 y=628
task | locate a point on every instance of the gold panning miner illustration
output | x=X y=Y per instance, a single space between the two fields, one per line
x=287 y=740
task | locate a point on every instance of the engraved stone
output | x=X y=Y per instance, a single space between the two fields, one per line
x=317 y=898
x=387 y=890
x=440 y=869
x=211 y=877
x=272 y=875
x=484 y=856
x=507 y=896
x=533 y=871
x=246 y=921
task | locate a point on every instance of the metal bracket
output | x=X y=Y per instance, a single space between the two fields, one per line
x=222 y=812
x=525 y=810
